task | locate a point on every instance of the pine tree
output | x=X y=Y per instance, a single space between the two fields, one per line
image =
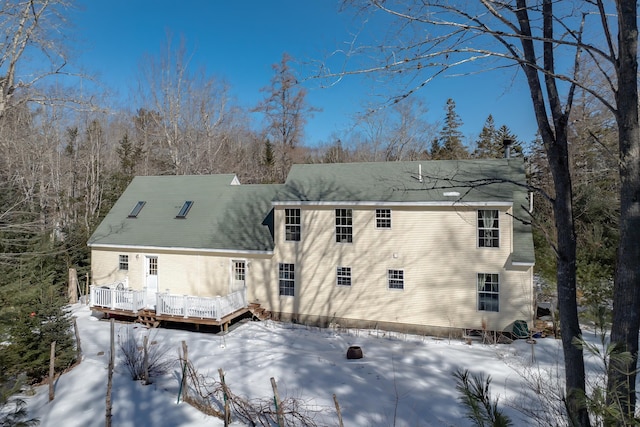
x=450 y=139
x=485 y=144
x=490 y=142
x=502 y=134
x=32 y=309
x=268 y=161
x=435 y=149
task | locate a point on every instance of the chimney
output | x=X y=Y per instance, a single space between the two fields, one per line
x=506 y=143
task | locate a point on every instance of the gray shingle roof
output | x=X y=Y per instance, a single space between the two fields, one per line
x=238 y=217
x=475 y=180
x=223 y=216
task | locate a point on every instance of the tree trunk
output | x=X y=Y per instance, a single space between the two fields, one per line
x=567 y=296
x=626 y=294
x=556 y=146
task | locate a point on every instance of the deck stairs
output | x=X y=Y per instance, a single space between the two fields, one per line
x=259 y=313
x=148 y=318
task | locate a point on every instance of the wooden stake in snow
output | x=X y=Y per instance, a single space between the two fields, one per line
x=107 y=421
x=52 y=372
x=86 y=289
x=185 y=355
x=276 y=399
x=335 y=400
x=145 y=343
x=183 y=383
x=227 y=413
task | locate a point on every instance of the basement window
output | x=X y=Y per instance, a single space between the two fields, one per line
x=136 y=210
x=185 y=209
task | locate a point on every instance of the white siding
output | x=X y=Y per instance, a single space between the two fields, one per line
x=436 y=248
x=188 y=273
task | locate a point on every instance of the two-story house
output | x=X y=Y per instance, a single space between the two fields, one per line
x=424 y=246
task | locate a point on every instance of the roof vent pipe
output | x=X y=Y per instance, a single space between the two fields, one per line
x=506 y=143
x=419 y=172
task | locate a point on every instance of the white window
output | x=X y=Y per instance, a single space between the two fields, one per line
x=344 y=225
x=292 y=230
x=286 y=279
x=239 y=270
x=123 y=262
x=488 y=292
x=383 y=218
x=488 y=229
x=153 y=266
x=343 y=276
x=395 y=279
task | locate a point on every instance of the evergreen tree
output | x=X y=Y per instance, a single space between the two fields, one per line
x=269 y=162
x=450 y=140
x=435 y=149
x=33 y=314
x=490 y=142
x=130 y=155
x=502 y=134
x=485 y=144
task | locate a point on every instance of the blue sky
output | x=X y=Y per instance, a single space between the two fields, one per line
x=239 y=40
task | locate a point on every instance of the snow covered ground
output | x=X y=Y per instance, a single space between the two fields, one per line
x=403 y=380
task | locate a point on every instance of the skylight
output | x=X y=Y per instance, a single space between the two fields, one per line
x=136 y=210
x=185 y=209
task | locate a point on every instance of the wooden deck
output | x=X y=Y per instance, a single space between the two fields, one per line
x=128 y=303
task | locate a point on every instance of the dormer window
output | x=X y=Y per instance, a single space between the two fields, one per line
x=136 y=210
x=185 y=209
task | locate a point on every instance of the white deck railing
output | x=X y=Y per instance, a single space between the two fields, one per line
x=121 y=299
x=109 y=296
x=200 y=307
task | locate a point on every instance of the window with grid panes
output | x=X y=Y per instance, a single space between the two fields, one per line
x=344 y=225
x=383 y=218
x=286 y=279
x=292 y=231
x=488 y=292
x=123 y=262
x=343 y=276
x=488 y=228
x=395 y=279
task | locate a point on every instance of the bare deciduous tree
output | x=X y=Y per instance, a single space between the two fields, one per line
x=186 y=111
x=397 y=133
x=285 y=110
x=548 y=43
x=31 y=31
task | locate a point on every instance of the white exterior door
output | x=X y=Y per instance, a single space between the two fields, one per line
x=151 y=280
x=238 y=275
